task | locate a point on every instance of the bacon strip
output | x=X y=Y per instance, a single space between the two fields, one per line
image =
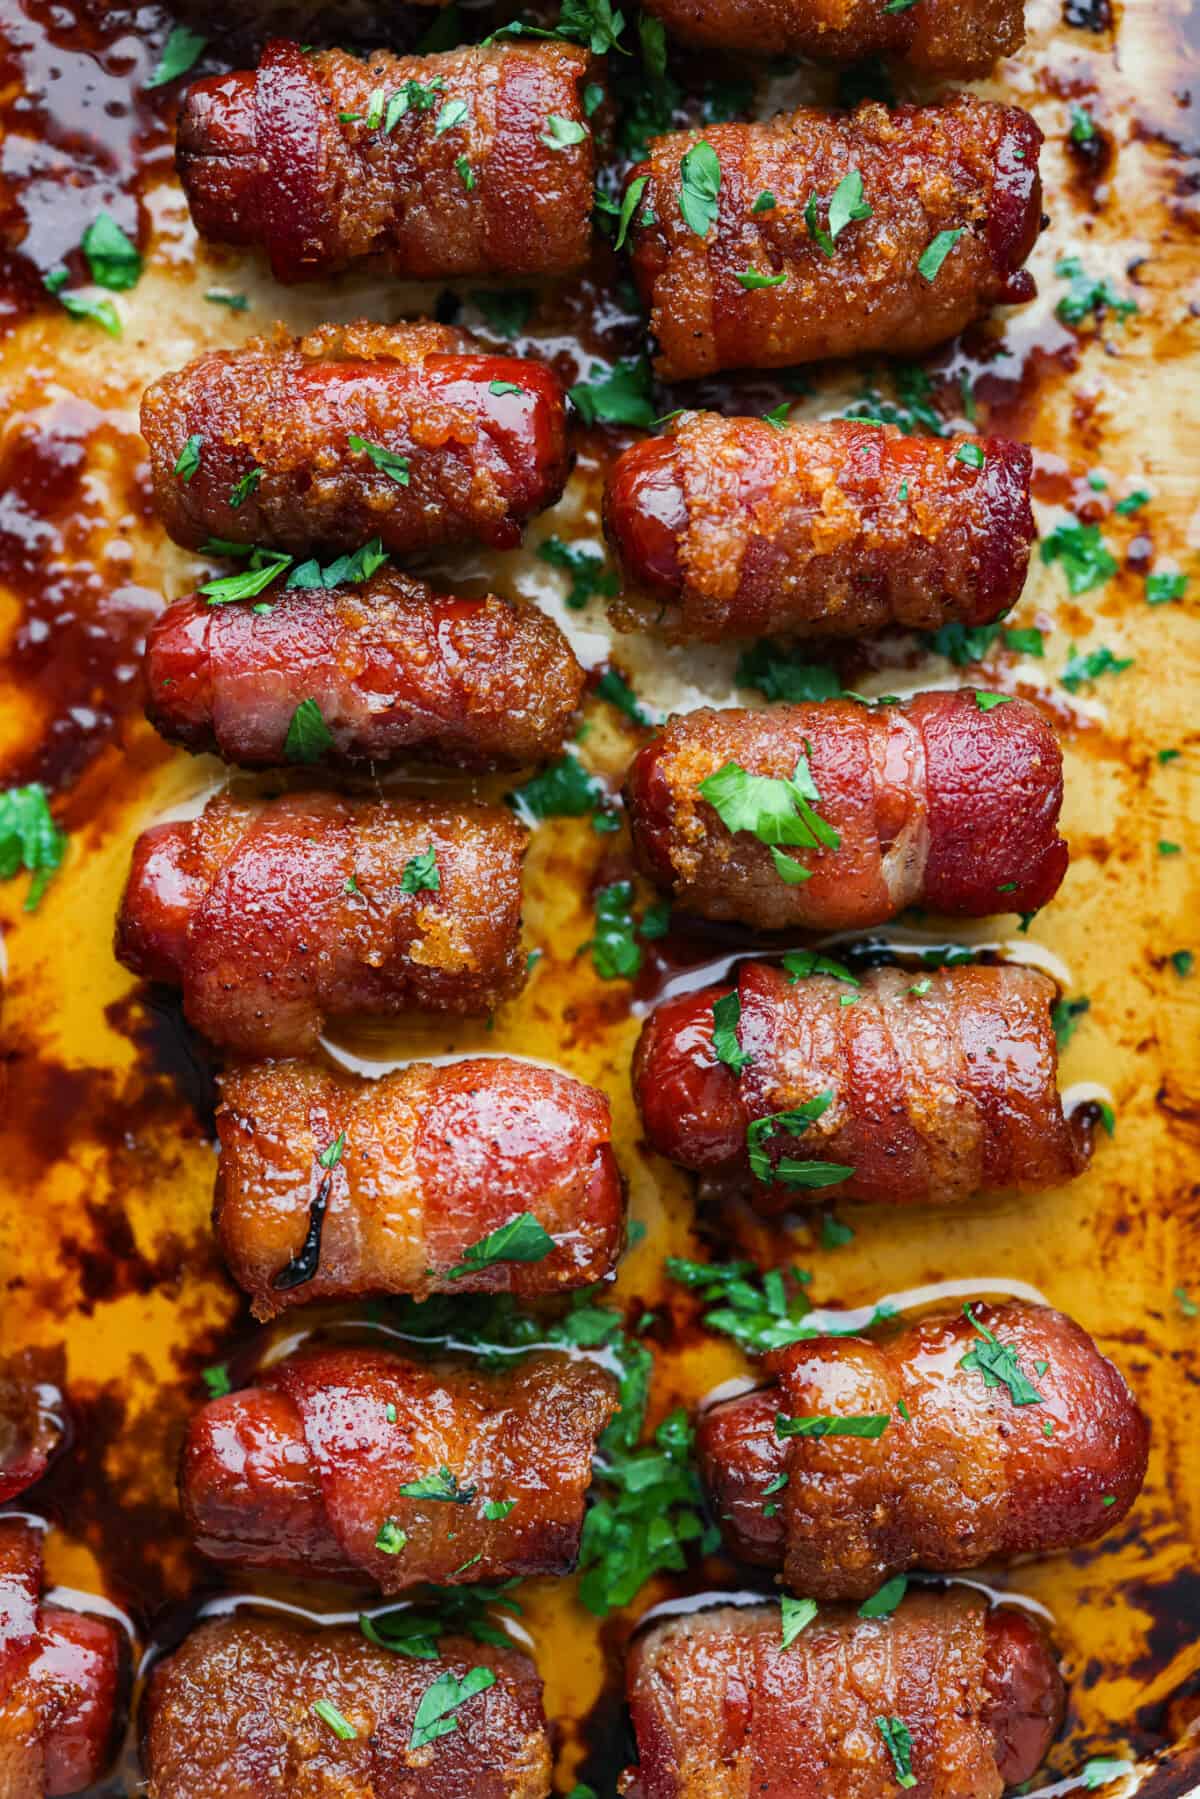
x=32 y=1420
x=938 y=37
x=975 y=1686
x=396 y=669
x=481 y=441
x=964 y=165
x=962 y=1476
x=231 y=1711
x=732 y=527
x=935 y=802
x=302 y=1472
x=297 y=156
x=934 y=1091
x=276 y=915
x=433 y=1159
x=60 y=1679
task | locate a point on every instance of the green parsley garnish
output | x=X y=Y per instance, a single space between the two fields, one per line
x=828 y=1424
x=112 y=258
x=765 y=201
x=216 y=1380
x=971 y=455
x=616 y=952
x=998 y=1364
x=308 y=736
x=885 y=1601
x=726 y=1012
x=752 y=279
x=935 y=253
x=331 y=1155
x=561 y=134
x=1065 y=1015
x=795 y=1615
x=421 y=873
x=390 y=1539
x=181 y=51
x=589 y=573
x=83 y=306
x=436 y=1714
x=564 y=789
x=700 y=184
x=780 y=673
x=620 y=395
x=1082 y=667
x=898 y=1741
x=1086 y=296
x=329 y=1714
x=1162 y=587
x=443 y=1487
x=454 y=112
x=506 y=310
x=30 y=839
x=386 y=461
x=188 y=460
x=777 y=812
x=241 y=490
x=522 y=1239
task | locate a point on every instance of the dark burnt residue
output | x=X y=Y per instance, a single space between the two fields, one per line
x=82 y=133
x=76 y=651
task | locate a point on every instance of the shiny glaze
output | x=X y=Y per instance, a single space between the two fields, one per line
x=855 y=1511
x=107 y=1127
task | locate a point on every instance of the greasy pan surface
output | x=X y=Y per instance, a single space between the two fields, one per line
x=107 y=1260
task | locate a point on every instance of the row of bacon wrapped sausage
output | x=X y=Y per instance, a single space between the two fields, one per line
x=274 y=916
x=379 y=1470
x=745 y=247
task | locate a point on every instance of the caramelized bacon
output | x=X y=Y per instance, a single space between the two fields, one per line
x=964 y=166
x=936 y=803
x=474 y=444
x=232 y=1712
x=972 y=1470
x=733 y=527
x=975 y=1687
x=304 y=1472
x=310 y=156
x=923 y=1091
x=961 y=38
x=396 y=669
x=434 y=1158
x=275 y=915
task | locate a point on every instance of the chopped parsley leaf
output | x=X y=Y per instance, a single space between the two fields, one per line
x=1086 y=559
x=726 y=1012
x=181 y=51
x=751 y=279
x=390 y=1539
x=1084 y=666
x=699 y=187
x=386 y=461
x=780 y=673
x=998 y=1364
x=589 y=573
x=521 y=1239
x=795 y=1615
x=454 y=112
x=329 y=1714
x=216 y=1380
x=436 y=1714
x=442 y=1487
x=562 y=134
x=241 y=490
x=1163 y=587
x=1064 y=1017
x=880 y=1604
x=620 y=395
x=308 y=736
x=829 y=1424
x=1088 y=297
x=421 y=873
x=112 y=258
x=188 y=460
x=777 y=812
x=898 y=1741
x=971 y=455
x=564 y=789
x=506 y=310
x=935 y=253
x=30 y=839
x=761 y=1312
x=331 y=1155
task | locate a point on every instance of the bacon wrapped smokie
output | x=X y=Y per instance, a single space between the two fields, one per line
x=431 y=1160
x=237 y=1710
x=962 y=38
x=1016 y=1437
x=395 y=668
x=722 y=1710
x=32 y=1422
x=933 y=803
x=429 y=166
x=365 y=1465
x=955 y=209
x=894 y=1090
x=449 y=444
x=61 y=1673
x=276 y=915
x=732 y=527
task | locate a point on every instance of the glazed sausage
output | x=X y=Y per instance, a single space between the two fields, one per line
x=396 y=669
x=231 y=1712
x=32 y=1424
x=477 y=443
x=721 y=1710
x=303 y=1472
x=938 y=37
x=275 y=915
x=935 y=803
x=61 y=1675
x=926 y=1090
x=965 y=166
x=432 y=1160
x=732 y=527
x=962 y=1476
x=298 y=156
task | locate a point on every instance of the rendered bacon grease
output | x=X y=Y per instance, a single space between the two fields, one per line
x=955 y=205
x=395 y=669
x=938 y=37
x=364 y=1464
x=897 y=1089
x=475 y=162
x=450 y=444
x=948 y=1696
x=935 y=803
x=251 y=1705
x=61 y=1675
x=735 y=527
x=485 y=1175
x=273 y=916
x=958 y=1440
